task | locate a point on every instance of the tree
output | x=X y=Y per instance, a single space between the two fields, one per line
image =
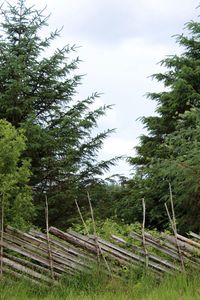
x=37 y=93
x=182 y=168
x=156 y=162
x=15 y=194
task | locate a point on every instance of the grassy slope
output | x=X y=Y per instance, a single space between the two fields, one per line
x=87 y=287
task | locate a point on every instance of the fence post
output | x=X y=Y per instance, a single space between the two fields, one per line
x=48 y=240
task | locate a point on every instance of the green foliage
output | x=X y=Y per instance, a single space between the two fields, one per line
x=38 y=93
x=169 y=153
x=105 y=228
x=140 y=286
x=108 y=227
x=15 y=194
x=182 y=167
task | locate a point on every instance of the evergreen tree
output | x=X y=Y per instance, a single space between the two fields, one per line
x=182 y=167
x=37 y=94
x=154 y=158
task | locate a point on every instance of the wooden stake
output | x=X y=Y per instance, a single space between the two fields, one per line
x=94 y=225
x=98 y=247
x=172 y=220
x=48 y=239
x=175 y=228
x=2 y=233
x=143 y=234
x=92 y=213
x=172 y=208
x=81 y=216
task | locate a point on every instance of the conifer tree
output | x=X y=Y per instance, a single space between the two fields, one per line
x=37 y=93
x=156 y=162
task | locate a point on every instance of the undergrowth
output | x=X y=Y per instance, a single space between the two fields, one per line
x=135 y=284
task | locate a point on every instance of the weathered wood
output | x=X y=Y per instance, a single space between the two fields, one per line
x=26 y=245
x=158 y=246
x=155 y=258
x=34 y=266
x=174 y=228
x=121 y=255
x=188 y=241
x=20 y=275
x=98 y=247
x=115 y=250
x=96 y=239
x=48 y=240
x=107 y=247
x=66 y=247
x=86 y=242
x=81 y=216
x=161 y=241
x=26 y=270
x=43 y=253
x=69 y=252
x=2 y=235
x=196 y=236
x=118 y=239
x=72 y=252
x=26 y=236
x=33 y=256
x=75 y=241
x=166 y=247
x=183 y=245
x=143 y=234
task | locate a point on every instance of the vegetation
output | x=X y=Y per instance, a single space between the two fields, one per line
x=139 y=286
x=37 y=93
x=168 y=153
x=15 y=194
x=104 y=228
x=48 y=146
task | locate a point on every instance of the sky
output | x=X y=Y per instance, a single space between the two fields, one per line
x=120 y=44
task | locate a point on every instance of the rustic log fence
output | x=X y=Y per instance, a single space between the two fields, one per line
x=45 y=258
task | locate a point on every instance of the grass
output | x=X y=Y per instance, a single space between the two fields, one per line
x=138 y=285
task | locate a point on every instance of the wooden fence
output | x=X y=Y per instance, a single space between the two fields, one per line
x=44 y=258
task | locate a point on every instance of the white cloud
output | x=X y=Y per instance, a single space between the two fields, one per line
x=110 y=21
x=115 y=146
x=118 y=146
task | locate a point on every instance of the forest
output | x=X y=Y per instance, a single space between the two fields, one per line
x=49 y=140
x=49 y=145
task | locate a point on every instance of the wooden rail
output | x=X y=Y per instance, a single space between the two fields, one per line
x=28 y=254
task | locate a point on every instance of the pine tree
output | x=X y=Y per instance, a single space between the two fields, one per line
x=182 y=168
x=154 y=156
x=37 y=93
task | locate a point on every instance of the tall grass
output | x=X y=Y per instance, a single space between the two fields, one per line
x=135 y=284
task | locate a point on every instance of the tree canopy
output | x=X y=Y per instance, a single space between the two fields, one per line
x=169 y=152
x=38 y=92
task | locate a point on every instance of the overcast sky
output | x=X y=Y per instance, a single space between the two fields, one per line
x=121 y=45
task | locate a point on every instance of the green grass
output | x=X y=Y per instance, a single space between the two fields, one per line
x=140 y=285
